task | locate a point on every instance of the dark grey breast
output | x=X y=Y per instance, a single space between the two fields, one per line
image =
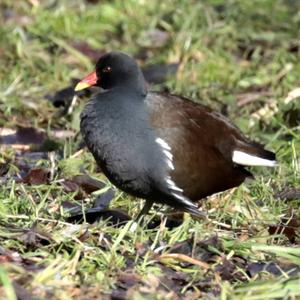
x=126 y=147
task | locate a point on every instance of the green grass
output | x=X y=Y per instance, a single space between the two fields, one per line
x=228 y=51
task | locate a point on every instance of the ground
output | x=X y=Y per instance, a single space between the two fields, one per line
x=239 y=57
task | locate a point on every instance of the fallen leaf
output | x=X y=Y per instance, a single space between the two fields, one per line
x=119 y=294
x=37 y=176
x=174 y=279
x=35 y=237
x=128 y=279
x=275 y=268
x=288 y=193
x=7 y=255
x=25 y=161
x=88 y=184
x=287 y=226
x=72 y=187
x=22 y=135
x=104 y=199
x=230 y=269
x=71 y=207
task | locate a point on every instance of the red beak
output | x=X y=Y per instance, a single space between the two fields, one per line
x=87 y=81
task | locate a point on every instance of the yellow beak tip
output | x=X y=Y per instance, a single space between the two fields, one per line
x=81 y=86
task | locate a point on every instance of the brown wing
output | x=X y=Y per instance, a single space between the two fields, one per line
x=201 y=142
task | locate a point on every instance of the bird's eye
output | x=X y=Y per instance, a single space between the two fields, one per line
x=106 y=69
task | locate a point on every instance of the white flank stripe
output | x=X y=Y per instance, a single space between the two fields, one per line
x=171 y=166
x=163 y=144
x=167 y=151
x=246 y=159
x=168 y=155
x=174 y=189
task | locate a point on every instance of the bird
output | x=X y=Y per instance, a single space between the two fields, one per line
x=159 y=146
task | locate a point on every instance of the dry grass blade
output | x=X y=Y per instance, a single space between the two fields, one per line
x=184 y=258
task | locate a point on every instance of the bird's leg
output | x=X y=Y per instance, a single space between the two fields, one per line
x=147 y=206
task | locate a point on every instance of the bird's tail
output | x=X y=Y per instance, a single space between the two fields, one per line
x=253 y=154
x=193 y=210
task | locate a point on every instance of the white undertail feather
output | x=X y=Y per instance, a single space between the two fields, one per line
x=245 y=159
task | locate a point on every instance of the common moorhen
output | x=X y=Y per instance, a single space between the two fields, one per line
x=162 y=147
